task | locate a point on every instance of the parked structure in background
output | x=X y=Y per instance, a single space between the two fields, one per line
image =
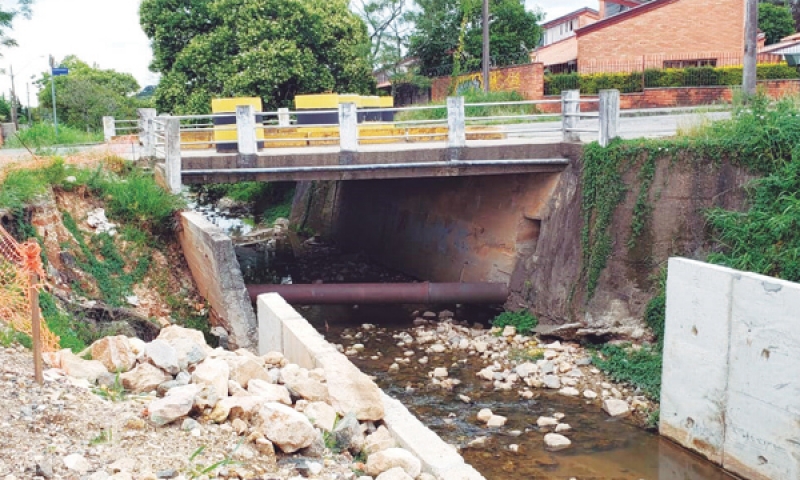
x=652 y=34
x=397 y=81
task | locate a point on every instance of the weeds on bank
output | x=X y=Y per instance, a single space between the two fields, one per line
x=44 y=135
x=196 y=469
x=523 y=320
x=105 y=436
x=114 y=392
x=473 y=96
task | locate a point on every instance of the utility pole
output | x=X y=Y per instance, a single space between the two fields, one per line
x=750 y=47
x=13 y=101
x=28 y=89
x=486 y=46
x=53 y=89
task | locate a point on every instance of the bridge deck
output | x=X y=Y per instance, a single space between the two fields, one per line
x=483 y=157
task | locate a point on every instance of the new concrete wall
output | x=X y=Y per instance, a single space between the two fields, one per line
x=731 y=388
x=281 y=328
x=212 y=260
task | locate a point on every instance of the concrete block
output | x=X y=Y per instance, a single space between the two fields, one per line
x=763 y=416
x=695 y=371
x=270 y=328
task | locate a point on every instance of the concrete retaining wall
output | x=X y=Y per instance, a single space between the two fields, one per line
x=731 y=387
x=281 y=328
x=212 y=260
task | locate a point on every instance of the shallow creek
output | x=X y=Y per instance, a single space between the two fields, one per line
x=602 y=447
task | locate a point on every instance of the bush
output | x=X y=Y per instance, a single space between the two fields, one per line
x=474 y=96
x=522 y=320
x=640 y=367
x=590 y=84
x=44 y=135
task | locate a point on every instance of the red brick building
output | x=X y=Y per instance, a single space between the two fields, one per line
x=627 y=34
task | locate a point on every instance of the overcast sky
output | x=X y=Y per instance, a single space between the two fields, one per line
x=107 y=32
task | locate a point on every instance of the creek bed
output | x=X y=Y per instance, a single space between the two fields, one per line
x=602 y=448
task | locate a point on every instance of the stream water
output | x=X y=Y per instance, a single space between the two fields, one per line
x=602 y=448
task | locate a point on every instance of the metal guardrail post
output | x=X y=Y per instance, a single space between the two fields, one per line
x=348 y=127
x=246 y=130
x=456 y=123
x=570 y=108
x=609 y=116
x=109 y=128
x=172 y=149
x=147 y=132
x=283 y=117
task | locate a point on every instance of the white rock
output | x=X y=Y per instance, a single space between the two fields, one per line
x=526 y=369
x=484 y=415
x=464 y=398
x=174 y=332
x=555 y=442
x=513 y=448
x=285 y=427
x=269 y=392
x=496 y=421
x=590 y=394
x=396 y=473
x=563 y=427
x=440 y=372
x=551 y=381
x=478 y=442
x=378 y=441
x=546 y=422
x=77 y=463
x=559 y=416
x=76 y=367
x=569 y=392
x=352 y=391
x=162 y=355
x=115 y=353
x=486 y=374
x=214 y=372
x=322 y=415
x=144 y=378
x=177 y=403
x=382 y=461
x=615 y=407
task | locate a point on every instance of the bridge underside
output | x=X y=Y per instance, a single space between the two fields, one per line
x=376 y=162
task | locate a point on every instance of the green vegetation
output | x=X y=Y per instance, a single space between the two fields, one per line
x=474 y=96
x=43 y=135
x=762 y=136
x=113 y=393
x=775 y=21
x=9 y=336
x=654 y=78
x=523 y=320
x=73 y=333
x=105 y=436
x=197 y=470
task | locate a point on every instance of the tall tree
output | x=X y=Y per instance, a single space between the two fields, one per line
x=89 y=93
x=449 y=32
x=273 y=49
x=8 y=12
x=775 y=21
x=387 y=28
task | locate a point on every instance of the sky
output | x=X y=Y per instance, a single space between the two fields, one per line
x=107 y=33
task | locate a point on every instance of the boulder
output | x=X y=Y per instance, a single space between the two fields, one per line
x=352 y=391
x=526 y=369
x=189 y=352
x=285 y=427
x=273 y=359
x=77 y=463
x=546 y=422
x=496 y=421
x=616 y=407
x=175 y=332
x=390 y=458
x=243 y=369
x=162 y=355
x=555 y=442
x=144 y=378
x=235 y=407
x=301 y=384
x=378 y=441
x=484 y=415
x=395 y=473
x=348 y=434
x=321 y=415
x=270 y=392
x=176 y=404
x=569 y=391
x=115 y=353
x=76 y=367
x=214 y=372
x=551 y=381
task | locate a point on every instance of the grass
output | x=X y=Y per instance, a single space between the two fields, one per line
x=72 y=332
x=473 y=97
x=43 y=135
x=9 y=336
x=523 y=320
x=640 y=367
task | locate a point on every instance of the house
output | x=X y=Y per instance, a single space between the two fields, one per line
x=629 y=35
x=788 y=47
x=559 y=49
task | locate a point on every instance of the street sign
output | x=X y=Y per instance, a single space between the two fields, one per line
x=60 y=71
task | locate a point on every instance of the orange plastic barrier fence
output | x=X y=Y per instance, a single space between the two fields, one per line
x=20 y=264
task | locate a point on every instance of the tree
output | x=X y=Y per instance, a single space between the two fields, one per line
x=775 y=21
x=7 y=16
x=387 y=26
x=89 y=93
x=792 y=5
x=273 y=49
x=449 y=34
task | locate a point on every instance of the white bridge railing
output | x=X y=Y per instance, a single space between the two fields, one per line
x=165 y=136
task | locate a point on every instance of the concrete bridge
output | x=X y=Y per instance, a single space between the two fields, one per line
x=267 y=146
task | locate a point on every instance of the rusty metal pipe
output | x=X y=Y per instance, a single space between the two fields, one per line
x=380 y=293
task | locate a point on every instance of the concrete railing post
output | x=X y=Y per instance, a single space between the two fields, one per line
x=246 y=130
x=348 y=127
x=283 y=117
x=109 y=128
x=609 y=116
x=456 y=123
x=570 y=108
x=172 y=149
x=147 y=132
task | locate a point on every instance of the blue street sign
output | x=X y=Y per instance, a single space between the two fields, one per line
x=60 y=71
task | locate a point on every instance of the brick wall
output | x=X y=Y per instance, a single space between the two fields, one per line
x=562 y=51
x=666 y=27
x=528 y=80
x=684 y=96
